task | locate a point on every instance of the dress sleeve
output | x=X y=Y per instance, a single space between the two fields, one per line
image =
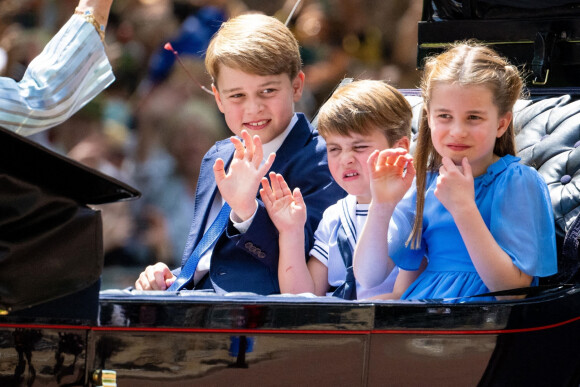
x=522 y=221
x=400 y=229
x=71 y=70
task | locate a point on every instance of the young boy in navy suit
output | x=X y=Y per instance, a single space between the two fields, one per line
x=255 y=65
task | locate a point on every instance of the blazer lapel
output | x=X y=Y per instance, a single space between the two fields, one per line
x=295 y=141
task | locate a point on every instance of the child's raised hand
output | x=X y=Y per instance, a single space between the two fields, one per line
x=455 y=189
x=286 y=209
x=239 y=186
x=391 y=173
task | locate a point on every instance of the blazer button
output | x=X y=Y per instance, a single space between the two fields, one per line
x=249 y=245
x=261 y=255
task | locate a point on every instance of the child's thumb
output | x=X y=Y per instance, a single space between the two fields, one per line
x=298 y=196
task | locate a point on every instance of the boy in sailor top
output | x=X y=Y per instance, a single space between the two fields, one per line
x=359 y=120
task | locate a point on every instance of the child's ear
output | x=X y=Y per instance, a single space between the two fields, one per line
x=218 y=98
x=298 y=86
x=403 y=142
x=504 y=123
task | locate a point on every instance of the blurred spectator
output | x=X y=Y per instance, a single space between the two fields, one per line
x=84 y=139
x=169 y=192
x=151 y=127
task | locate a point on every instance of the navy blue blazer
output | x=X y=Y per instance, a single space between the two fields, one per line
x=248 y=262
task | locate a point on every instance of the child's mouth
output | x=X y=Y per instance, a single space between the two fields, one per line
x=457 y=147
x=256 y=125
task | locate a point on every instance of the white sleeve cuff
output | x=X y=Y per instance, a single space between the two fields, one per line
x=242 y=227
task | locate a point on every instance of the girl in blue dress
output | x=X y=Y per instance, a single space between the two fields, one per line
x=483 y=221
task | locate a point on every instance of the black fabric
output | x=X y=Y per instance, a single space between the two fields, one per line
x=57 y=174
x=79 y=307
x=50 y=246
x=500 y=9
x=51 y=242
x=539 y=36
x=568 y=257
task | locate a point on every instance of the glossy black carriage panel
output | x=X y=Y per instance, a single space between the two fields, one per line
x=232 y=358
x=529 y=342
x=221 y=341
x=426 y=359
x=42 y=356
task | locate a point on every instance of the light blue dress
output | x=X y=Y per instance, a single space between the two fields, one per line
x=515 y=205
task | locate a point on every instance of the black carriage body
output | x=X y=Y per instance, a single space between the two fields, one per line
x=245 y=340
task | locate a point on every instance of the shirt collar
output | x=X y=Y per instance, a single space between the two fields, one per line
x=275 y=144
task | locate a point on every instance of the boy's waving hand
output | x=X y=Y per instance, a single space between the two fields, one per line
x=240 y=184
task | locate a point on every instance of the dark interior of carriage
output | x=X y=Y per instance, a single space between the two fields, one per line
x=50 y=251
x=540 y=35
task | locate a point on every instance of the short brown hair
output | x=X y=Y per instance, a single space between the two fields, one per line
x=366 y=105
x=255 y=44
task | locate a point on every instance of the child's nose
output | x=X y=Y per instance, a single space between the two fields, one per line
x=458 y=130
x=254 y=106
x=347 y=157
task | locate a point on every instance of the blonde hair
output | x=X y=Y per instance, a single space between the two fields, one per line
x=255 y=44
x=465 y=64
x=366 y=105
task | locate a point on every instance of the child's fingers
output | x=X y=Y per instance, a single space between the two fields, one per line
x=266 y=191
x=466 y=167
x=297 y=195
x=411 y=172
x=265 y=199
x=219 y=171
x=393 y=155
x=372 y=160
x=391 y=160
x=249 y=145
x=265 y=184
x=240 y=149
x=276 y=187
x=401 y=162
x=382 y=159
x=267 y=164
x=283 y=185
x=258 y=151
x=446 y=165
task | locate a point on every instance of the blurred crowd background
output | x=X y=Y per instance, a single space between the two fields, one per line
x=153 y=125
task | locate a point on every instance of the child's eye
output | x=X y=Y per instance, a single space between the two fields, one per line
x=474 y=117
x=268 y=91
x=332 y=149
x=444 y=116
x=235 y=96
x=361 y=148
